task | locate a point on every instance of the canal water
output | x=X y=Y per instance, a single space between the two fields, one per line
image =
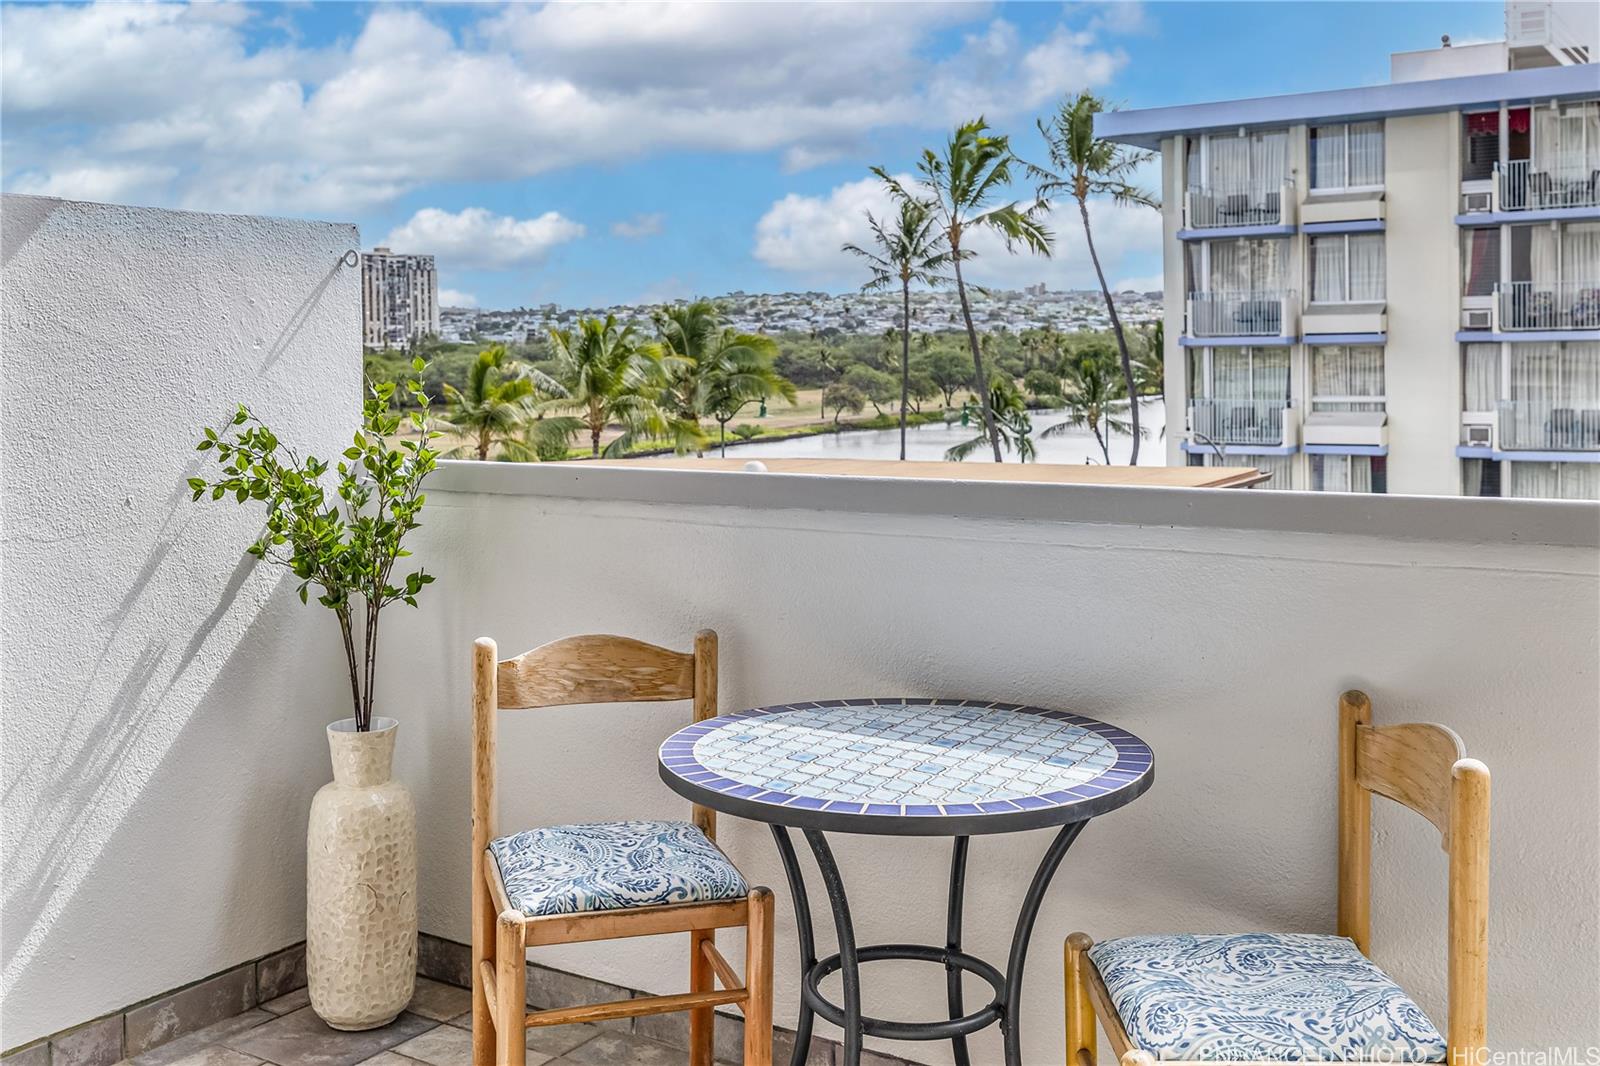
x=929 y=442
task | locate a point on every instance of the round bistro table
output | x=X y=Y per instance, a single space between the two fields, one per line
x=908 y=767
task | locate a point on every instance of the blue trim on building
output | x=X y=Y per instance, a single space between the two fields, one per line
x=1346 y=338
x=1147 y=126
x=1357 y=225
x=1237 y=449
x=1464 y=451
x=1538 y=214
x=1528 y=336
x=1374 y=450
x=1222 y=232
x=1235 y=342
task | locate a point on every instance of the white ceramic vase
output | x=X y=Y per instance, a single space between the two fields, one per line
x=361 y=883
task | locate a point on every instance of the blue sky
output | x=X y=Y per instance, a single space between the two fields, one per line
x=585 y=154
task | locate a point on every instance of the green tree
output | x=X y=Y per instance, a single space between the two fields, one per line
x=1150 y=365
x=495 y=407
x=1085 y=166
x=921 y=386
x=1094 y=392
x=910 y=250
x=966 y=183
x=949 y=372
x=1042 y=384
x=601 y=375
x=842 y=398
x=1010 y=416
x=879 y=389
x=735 y=372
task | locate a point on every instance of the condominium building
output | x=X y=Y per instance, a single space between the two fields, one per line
x=399 y=298
x=1393 y=288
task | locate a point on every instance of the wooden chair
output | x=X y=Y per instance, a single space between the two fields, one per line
x=590 y=670
x=1420 y=766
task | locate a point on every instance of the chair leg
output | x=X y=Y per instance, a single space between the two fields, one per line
x=701 y=979
x=483 y=949
x=511 y=978
x=758 y=980
x=1080 y=1010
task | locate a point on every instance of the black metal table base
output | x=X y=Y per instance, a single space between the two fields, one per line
x=1003 y=1008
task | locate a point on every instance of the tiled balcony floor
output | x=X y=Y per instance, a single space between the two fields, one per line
x=433 y=1031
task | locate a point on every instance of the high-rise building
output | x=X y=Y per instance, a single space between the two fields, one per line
x=1395 y=287
x=399 y=298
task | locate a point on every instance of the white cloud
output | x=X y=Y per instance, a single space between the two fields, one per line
x=219 y=122
x=639 y=226
x=456 y=298
x=128 y=183
x=475 y=237
x=802 y=235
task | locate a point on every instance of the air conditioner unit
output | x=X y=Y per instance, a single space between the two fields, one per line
x=1477 y=318
x=1474 y=202
x=1479 y=429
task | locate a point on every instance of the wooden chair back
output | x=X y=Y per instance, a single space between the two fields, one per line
x=580 y=670
x=1423 y=767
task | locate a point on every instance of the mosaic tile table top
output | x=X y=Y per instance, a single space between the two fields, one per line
x=922 y=766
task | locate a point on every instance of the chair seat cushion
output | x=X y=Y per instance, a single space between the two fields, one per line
x=603 y=866
x=1283 y=997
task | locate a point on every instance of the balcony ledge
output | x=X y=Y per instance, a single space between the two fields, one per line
x=1187 y=341
x=1267 y=229
x=1556 y=523
x=1471 y=336
x=1469 y=451
x=1536 y=214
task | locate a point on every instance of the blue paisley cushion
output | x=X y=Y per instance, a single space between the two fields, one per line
x=605 y=866
x=1282 y=997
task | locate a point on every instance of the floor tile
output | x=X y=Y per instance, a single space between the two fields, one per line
x=303 y=1039
x=439 y=1001
x=289 y=1002
x=217 y=1055
x=184 y=1047
x=449 y=1046
x=615 y=1049
x=546 y=1040
x=277 y=975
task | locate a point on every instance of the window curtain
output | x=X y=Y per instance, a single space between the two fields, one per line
x=1342 y=371
x=1559 y=481
x=1480 y=261
x=1279 y=466
x=1328 y=157
x=1579 y=481
x=1556 y=375
x=1481 y=377
x=1245 y=266
x=1542 y=257
x=1366 y=267
x=1250 y=374
x=1229 y=164
x=1566 y=140
x=1365 y=152
x=1580 y=257
x=1328 y=268
x=1269 y=159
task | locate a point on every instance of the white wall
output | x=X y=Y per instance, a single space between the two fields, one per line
x=163 y=700
x=1422 y=361
x=1219 y=626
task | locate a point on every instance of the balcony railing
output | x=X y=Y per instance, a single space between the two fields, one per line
x=1238 y=421
x=1526 y=186
x=1529 y=425
x=1524 y=305
x=1211 y=207
x=1258 y=313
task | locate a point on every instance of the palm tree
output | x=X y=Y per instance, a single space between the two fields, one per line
x=1092 y=391
x=735 y=372
x=495 y=408
x=1086 y=166
x=603 y=376
x=912 y=251
x=1150 y=365
x=1011 y=421
x=964 y=184
x=711 y=370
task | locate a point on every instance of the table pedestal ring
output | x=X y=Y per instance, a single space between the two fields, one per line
x=1002 y=1008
